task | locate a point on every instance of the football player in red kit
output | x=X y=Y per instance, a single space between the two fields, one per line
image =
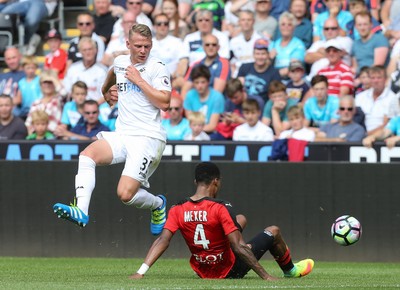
x=214 y=237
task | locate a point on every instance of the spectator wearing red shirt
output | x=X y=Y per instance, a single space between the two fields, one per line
x=339 y=75
x=57 y=58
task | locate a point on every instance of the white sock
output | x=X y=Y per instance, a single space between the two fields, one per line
x=85 y=181
x=144 y=199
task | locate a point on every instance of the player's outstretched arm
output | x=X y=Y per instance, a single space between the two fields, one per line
x=157 y=249
x=159 y=98
x=244 y=252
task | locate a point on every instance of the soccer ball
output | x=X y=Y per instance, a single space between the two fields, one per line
x=346 y=230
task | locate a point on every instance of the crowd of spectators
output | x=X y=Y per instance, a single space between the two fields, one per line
x=243 y=70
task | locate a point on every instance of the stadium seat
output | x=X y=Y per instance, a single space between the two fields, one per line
x=8 y=32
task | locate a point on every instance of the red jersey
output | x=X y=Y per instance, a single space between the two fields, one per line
x=205 y=224
x=338 y=75
x=57 y=60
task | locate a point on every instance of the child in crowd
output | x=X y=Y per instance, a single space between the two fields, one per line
x=73 y=110
x=197 y=122
x=365 y=81
x=275 y=110
x=296 y=119
x=40 y=122
x=57 y=57
x=253 y=129
x=29 y=88
x=297 y=88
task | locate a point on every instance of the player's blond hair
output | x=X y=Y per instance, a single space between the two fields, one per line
x=39 y=116
x=196 y=117
x=142 y=30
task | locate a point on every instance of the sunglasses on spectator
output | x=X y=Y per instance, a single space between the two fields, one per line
x=85 y=23
x=204 y=19
x=162 y=23
x=348 y=109
x=263 y=1
x=91 y=113
x=331 y=28
x=134 y=3
x=173 y=108
x=211 y=44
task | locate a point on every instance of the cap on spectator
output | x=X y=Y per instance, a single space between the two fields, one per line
x=333 y=43
x=295 y=65
x=261 y=44
x=53 y=33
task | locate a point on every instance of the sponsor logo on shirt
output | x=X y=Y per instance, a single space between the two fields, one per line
x=209 y=259
x=128 y=87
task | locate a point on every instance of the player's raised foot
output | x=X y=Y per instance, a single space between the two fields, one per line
x=158 y=217
x=71 y=213
x=300 y=269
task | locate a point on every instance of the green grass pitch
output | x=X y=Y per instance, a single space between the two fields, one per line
x=107 y=273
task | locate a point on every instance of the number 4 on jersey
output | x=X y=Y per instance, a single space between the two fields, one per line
x=200 y=237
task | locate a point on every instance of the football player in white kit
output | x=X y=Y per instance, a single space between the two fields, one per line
x=141 y=86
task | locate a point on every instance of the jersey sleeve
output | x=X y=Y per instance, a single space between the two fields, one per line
x=228 y=222
x=161 y=78
x=172 y=220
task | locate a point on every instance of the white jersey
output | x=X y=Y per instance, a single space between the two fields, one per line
x=304 y=134
x=136 y=114
x=259 y=132
x=93 y=77
x=168 y=50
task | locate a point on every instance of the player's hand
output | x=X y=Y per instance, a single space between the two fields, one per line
x=133 y=75
x=136 y=276
x=111 y=96
x=271 y=278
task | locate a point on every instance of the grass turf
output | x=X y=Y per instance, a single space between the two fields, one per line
x=107 y=273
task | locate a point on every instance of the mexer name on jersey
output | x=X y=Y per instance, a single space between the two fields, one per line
x=195 y=216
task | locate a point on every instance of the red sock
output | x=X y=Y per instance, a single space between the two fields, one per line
x=285 y=262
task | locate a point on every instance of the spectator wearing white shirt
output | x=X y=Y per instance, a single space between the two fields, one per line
x=253 y=129
x=243 y=44
x=86 y=26
x=378 y=103
x=88 y=70
x=297 y=131
x=166 y=47
x=117 y=45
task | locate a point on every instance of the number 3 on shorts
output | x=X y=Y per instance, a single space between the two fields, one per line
x=200 y=237
x=145 y=165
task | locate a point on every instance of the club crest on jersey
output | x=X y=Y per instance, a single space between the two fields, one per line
x=165 y=81
x=142 y=69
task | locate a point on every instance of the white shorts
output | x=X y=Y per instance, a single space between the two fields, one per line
x=141 y=154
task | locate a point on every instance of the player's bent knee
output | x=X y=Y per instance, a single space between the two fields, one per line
x=125 y=195
x=274 y=230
